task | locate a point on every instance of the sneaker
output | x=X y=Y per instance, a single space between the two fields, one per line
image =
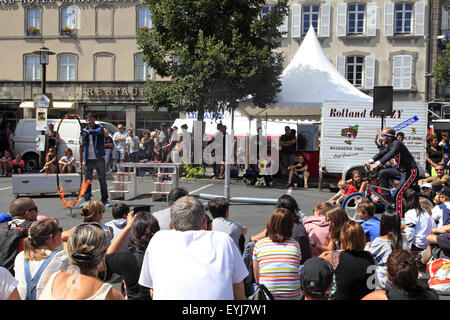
x=82 y=204
x=107 y=204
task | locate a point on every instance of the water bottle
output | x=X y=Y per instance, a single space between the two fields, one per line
x=393 y=192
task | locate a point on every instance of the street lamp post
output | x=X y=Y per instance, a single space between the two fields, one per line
x=44 y=54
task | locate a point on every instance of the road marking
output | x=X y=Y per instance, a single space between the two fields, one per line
x=204 y=187
x=5 y=188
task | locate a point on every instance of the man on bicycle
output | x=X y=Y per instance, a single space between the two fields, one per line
x=406 y=166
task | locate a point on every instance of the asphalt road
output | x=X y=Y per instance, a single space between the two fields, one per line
x=254 y=216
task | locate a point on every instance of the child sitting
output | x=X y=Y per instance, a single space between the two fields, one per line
x=317 y=227
x=67 y=162
x=371 y=224
x=50 y=162
x=6 y=164
x=18 y=165
x=346 y=190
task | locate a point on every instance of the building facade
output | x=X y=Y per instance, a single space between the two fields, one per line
x=97 y=65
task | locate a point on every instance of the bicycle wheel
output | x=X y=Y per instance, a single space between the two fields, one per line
x=350 y=205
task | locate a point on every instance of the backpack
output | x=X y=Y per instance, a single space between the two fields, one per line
x=439 y=272
x=11 y=244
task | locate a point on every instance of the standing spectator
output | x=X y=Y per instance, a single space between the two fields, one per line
x=164 y=138
x=402 y=270
x=220 y=211
x=435 y=156
x=336 y=217
x=120 y=145
x=143 y=227
x=132 y=142
x=5 y=131
x=300 y=168
x=316 y=279
x=444 y=144
x=148 y=144
x=86 y=248
x=298 y=230
x=370 y=224
x=211 y=265
x=109 y=146
x=390 y=239
x=18 y=165
x=351 y=263
x=67 y=163
x=317 y=227
x=157 y=152
x=53 y=137
x=417 y=221
x=120 y=212
x=92 y=151
x=173 y=138
x=50 y=162
x=6 y=164
x=163 y=216
x=276 y=258
x=8 y=286
x=287 y=143
x=92 y=212
x=39 y=258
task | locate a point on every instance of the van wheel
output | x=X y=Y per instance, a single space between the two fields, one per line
x=31 y=162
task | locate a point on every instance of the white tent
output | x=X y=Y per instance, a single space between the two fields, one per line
x=308 y=81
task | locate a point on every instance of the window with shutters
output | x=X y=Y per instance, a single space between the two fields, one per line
x=67 y=65
x=33 y=23
x=402 y=18
x=310 y=17
x=68 y=21
x=142 y=71
x=356 y=13
x=32 y=68
x=354 y=70
x=402 y=71
x=104 y=21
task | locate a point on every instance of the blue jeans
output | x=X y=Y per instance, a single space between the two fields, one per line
x=99 y=166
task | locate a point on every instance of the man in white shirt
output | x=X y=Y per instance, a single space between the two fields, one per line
x=120 y=146
x=132 y=146
x=190 y=263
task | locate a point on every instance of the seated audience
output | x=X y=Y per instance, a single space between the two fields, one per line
x=441 y=211
x=317 y=227
x=276 y=258
x=202 y=265
x=120 y=212
x=6 y=164
x=18 y=165
x=336 y=217
x=39 y=258
x=351 y=263
x=142 y=226
x=345 y=189
x=50 y=162
x=438 y=180
x=426 y=190
x=220 y=211
x=316 y=279
x=300 y=169
x=370 y=224
x=67 y=163
x=86 y=249
x=403 y=275
x=8 y=285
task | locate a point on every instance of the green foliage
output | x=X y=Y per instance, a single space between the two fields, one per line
x=442 y=68
x=216 y=52
x=192 y=171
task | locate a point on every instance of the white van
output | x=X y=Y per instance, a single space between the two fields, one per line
x=25 y=139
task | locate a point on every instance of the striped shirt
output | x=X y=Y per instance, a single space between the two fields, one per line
x=279 y=267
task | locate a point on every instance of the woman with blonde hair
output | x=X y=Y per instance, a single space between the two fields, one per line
x=92 y=212
x=86 y=249
x=39 y=258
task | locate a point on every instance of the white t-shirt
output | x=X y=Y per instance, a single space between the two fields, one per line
x=192 y=265
x=120 y=145
x=66 y=159
x=7 y=283
x=418 y=227
x=58 y=262
x=133 y=143
x=91 y=149
x=437 y=213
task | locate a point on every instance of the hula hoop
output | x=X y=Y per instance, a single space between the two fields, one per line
x=83 y=185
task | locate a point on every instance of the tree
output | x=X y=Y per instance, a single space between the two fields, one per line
x=216 y=52
x=442 y=68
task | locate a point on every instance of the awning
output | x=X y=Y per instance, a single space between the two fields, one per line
x=56 y=104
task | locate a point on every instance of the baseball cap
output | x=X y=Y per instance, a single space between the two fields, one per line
x=316 y=275
x=426 y=185
x=445 y=191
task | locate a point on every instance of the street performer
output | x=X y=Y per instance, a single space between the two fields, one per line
x=406 y=166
